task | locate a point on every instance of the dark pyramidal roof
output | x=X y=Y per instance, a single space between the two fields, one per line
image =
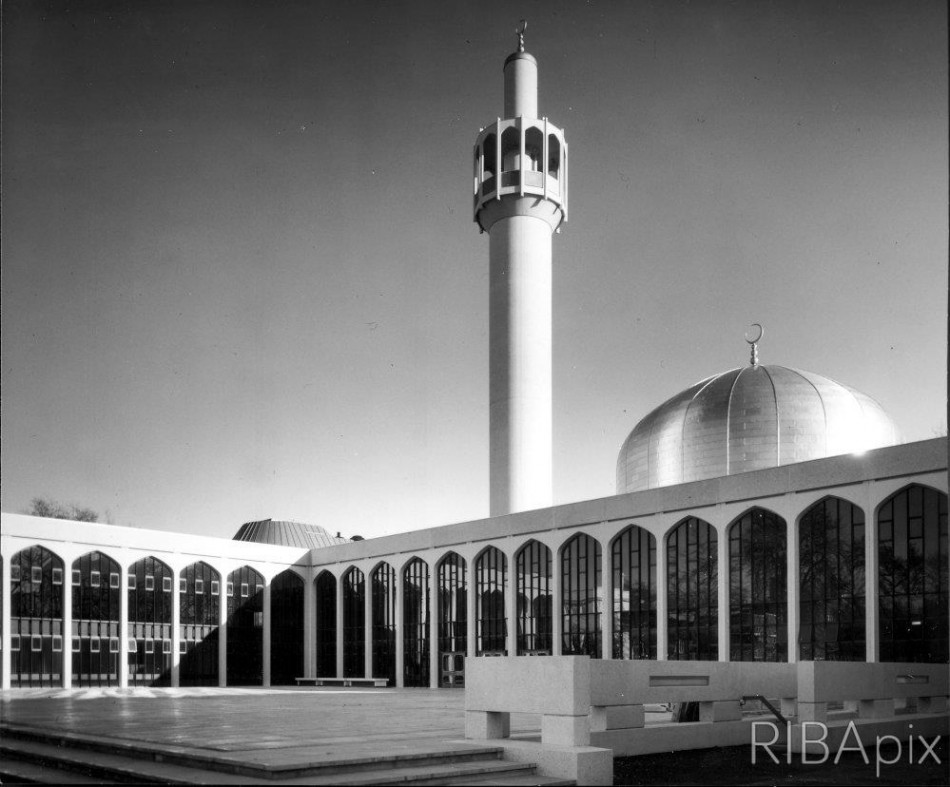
x=287 y=534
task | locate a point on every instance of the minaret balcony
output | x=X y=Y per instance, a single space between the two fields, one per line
x=533 y=157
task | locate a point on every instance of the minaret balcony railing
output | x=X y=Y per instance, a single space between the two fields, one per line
x=520 y=156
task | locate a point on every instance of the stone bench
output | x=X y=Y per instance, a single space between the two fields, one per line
x=345 y=682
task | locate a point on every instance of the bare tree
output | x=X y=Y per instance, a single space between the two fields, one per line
x=53 y=509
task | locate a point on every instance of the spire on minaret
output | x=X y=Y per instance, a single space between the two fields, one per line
x=521 y=28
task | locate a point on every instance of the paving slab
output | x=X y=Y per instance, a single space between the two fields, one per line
x=270 y=728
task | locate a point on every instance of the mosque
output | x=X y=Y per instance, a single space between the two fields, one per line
x=763 y=514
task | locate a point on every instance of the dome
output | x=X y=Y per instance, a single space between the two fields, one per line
x=287 y=534
x=749 y=419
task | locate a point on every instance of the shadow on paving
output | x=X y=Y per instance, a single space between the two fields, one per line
x=733 y=766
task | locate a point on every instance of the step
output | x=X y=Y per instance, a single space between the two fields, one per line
x=192 y=759
x=48 y=763
x=22 y=772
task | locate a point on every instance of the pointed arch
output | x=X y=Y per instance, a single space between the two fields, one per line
x=912 y=575
x=326 y=624
x=246 y=627
x=354 y=623
x=383 y=579
x=452 y=598
x=831 y=599
x=533 y=567
x=36 y=618
x=199 y=598
x=491 y=591
x=286 y=628
x=149 y=637
x=582 y=594
x=416 y=611
x=692 y=591
x=96 y=640
x=758 y=606
x=633 y=606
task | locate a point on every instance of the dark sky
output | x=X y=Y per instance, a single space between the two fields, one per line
x=241 y=279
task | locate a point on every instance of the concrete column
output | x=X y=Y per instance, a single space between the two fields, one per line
x=792 y=584
x=309 y=628
x=339 y=627
x=511 y=606
x=607 y=605
x=7 y=633
x=265 y=634
x=223 y=635
x=368 y=626
x=400 y=630
x=722 y=591
x=67 y=627
x=872 y=647
x=520 y=409
x=123 y=628
x=434 y=666
x=471 y=618
x=662 y=600
x=175 y=677
x=557 y=604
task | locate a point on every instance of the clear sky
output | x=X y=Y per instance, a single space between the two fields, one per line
x=241 y=278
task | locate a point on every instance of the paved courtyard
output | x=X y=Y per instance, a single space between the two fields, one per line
x=288 y=726
x=259 y=725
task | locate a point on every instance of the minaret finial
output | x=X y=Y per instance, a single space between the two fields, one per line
x=754 y=344
x=520 y=31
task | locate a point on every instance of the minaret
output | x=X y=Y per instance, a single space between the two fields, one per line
x=520 y=201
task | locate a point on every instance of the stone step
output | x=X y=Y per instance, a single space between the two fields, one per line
x=34 y=756
x=22 y=772
x=305 y=767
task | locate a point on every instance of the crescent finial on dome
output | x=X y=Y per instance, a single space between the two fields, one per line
x=754 y=344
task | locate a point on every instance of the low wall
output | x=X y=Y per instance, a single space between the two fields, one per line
x=591 y=706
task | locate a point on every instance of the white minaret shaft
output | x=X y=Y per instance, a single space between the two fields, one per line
x=520 y=213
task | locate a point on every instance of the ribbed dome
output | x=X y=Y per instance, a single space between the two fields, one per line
x=287 y=534
x=749 y=419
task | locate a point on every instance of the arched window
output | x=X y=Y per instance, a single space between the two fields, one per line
x=245 y=627
x=96 y=635
x=758 y=616
x=326 y=625
x=912 y=549
x=199 y=597
x=533 y=148
x=415 y=579
x=582 y=592
x=384 y=622
x=533 y=566
x=489 y=163
x=554 y=156
x=453 y=620
x=354 y=624
x=510 y=149
x=633 y=562
x=491 y=587
x=36 y=618
x=286 y=628
x=149 y=638
x=831 y=578
x=691 y=586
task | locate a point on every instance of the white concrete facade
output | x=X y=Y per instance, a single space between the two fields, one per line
x=789 y=492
